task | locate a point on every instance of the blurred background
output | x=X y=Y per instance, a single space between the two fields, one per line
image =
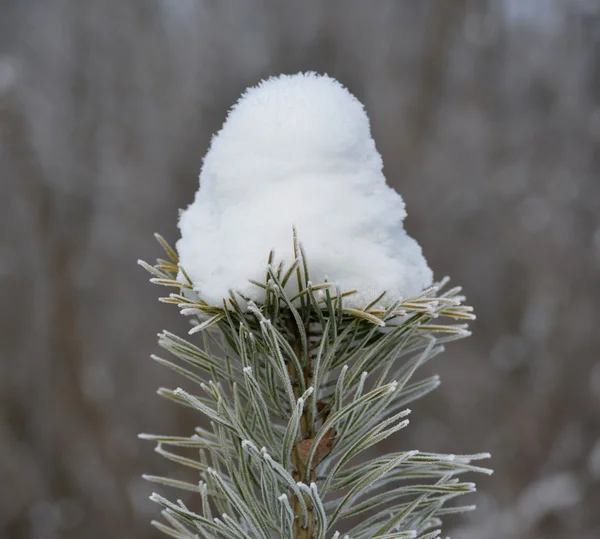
x=487 y=113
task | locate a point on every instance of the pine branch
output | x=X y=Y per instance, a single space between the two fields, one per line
x=303 y=388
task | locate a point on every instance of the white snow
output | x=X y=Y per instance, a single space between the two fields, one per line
x=297 y=150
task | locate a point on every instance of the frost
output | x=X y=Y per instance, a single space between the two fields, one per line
x=296 y=151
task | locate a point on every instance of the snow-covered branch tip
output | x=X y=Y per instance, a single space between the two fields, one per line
x=303 y=355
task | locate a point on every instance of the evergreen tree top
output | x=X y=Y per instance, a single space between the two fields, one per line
x=303 y=359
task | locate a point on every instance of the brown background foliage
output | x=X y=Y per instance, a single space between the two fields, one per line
x=487 y=114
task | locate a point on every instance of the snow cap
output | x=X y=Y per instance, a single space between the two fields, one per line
x=296 y=151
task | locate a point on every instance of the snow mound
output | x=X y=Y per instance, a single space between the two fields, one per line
x=297 y=150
